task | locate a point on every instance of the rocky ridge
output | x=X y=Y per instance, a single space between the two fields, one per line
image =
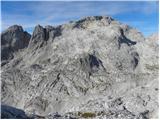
x=12 y=40
x=96 y=67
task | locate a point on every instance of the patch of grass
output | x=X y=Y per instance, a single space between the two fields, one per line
x=152 y=67
x=88 y=115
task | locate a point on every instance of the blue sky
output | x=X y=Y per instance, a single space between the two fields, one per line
x=141 y=15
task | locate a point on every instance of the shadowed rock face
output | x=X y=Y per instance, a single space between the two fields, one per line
x=91 y=64
x=8 y=112
x=95 y=67
x=41 y=35
x=12 y=40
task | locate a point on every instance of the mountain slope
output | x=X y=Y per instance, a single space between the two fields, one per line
x=96 y=65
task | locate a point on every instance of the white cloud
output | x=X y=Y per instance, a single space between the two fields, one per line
x=45 y=13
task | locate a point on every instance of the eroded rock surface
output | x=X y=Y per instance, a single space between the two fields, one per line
x=96 y=67
x=12 y=40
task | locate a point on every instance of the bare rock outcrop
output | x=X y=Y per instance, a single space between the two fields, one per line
x=41 y=35
x=96 y=67
x=12 y=40
x=8 y=112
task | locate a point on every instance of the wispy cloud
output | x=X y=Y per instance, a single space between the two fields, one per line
x=29 y=14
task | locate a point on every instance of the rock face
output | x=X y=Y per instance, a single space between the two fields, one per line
x=96 y=67
x=13 y=39
x=8 y=112
x=42 y=35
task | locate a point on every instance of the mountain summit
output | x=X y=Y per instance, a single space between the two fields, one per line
x=12 y=40
x=95 y=67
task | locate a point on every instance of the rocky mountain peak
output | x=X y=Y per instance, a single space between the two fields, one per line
x=49 y=27
x=13 y=39
x=15 y=28
x=38 y=29
x=95 y=18
x=84 y=22
x=43 y=34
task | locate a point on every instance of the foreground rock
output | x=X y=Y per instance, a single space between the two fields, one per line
x=97 y=67
x=8 y=112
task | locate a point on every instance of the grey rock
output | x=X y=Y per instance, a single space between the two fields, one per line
x=83 y=23
x=88 y=66
x=41 y=35
x=12 y=40
x=8 y=112
x=38 y=37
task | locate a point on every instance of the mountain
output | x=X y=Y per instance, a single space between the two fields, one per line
x=12 y=40
x=95 y=67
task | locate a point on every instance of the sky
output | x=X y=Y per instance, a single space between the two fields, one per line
x=142 y=15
